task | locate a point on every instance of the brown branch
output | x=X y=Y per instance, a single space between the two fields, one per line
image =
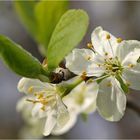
x=133 y=107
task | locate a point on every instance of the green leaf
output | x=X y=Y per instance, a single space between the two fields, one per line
x=122 y=84
x=25 y=10
x=40 y=18
x=48 y=14
x=68 y=33
x=19 y=60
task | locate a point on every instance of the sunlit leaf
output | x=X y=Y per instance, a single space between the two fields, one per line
x=68 y=33
x=48 y=14
x=40 y=18
x=19 y=60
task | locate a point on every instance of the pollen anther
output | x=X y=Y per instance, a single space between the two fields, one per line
x=89 y=45
x=106 y=53
x=39 y=96
x=83 y=76
x=30 y=89
x=88 y=58
x=119 y=40
x=108 y=36
x=130 y=65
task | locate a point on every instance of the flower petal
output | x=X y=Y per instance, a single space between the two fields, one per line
x=50 y=122
x=111 y=100
x=101 y=44
x=84 y=60
x=73 y=110
x=91 y=108
x=126 y=47
x=89 y=95
x=132 y=78
x=62 y=114
x=71 y=122
x=28 y=132
x=131 y=58
x=29 y=86
x=25 y=108
x=83 y=97
x=36 y=109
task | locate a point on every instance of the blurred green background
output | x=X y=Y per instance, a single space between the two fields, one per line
x=120 y=18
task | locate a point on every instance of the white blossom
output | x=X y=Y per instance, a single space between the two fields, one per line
x=114 y=62
x=81 y=99
x=46 y=103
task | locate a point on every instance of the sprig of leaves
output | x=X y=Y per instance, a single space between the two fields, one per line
x=69 y=31
x=20 y=61
x=40 y=18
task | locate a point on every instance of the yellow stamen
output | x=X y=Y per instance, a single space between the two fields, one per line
x=130 y=65
x=83 y=76
x=108 y=36
x=119 y=40
x=43 y=101
x=88 y=57
x=30 y=89
x=106 y=53
x=89 y=45
x=84 y=73
x=39 y=96
x=109 y=67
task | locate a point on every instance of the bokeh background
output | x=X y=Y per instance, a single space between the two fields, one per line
x=121 y=18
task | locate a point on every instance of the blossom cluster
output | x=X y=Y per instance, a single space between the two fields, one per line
x=104 y=72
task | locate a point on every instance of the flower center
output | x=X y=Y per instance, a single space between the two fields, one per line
x=45 y=100
x=113 y=66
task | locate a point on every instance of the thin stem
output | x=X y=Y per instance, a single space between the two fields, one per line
x=102 y=77
x=133 y=107
x=66 y=88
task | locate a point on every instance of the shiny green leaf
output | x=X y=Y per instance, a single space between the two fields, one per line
x=19 y=60
x=68 y=33
x=48 y=14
